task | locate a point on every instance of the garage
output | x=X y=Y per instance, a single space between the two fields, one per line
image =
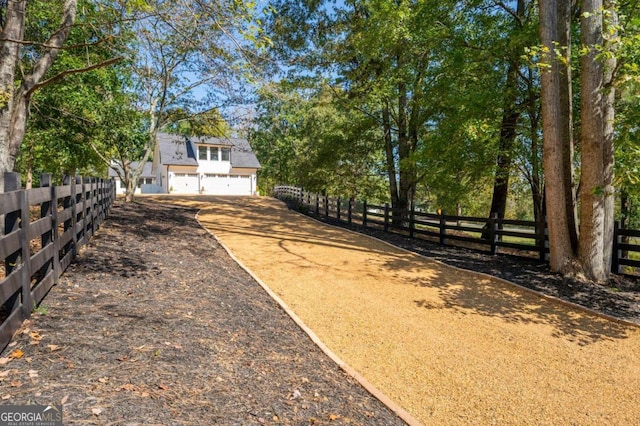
x=184 y=183
x=219 y=184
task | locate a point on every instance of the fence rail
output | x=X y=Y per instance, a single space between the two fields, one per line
x=43 y=230
x=493 y=235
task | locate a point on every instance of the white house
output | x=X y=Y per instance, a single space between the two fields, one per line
x=146 y=181
x=202 y=165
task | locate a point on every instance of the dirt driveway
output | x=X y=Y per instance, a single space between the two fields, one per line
x=449 y=346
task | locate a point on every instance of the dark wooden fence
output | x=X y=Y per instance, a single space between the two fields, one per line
x=43 y=230
x=492 y=235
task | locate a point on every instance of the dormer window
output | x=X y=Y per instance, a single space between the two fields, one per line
x=226 y=154
x=214 y=153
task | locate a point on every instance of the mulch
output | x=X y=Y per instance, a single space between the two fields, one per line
x=154 y=324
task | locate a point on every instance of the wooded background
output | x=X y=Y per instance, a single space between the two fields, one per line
x=483 y=106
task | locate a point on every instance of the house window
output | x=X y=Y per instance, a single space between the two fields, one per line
x=214 y=153
x=144 y=181
x=122 y=184
x=226 y=153
x=202 y=153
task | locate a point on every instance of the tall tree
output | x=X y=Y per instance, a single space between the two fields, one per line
x=16 y=98
x=598 y=69
x=511 y=112
x=553 y=124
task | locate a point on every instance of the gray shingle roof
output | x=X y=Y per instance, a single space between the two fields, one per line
x=242 y=155
x=181 y=151
x=176 y=150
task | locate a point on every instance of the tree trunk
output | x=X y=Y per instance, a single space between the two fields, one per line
x=566 y=111
x=625 y=214
x=14 y=104
x=407 y=171
x=13 y=30
x=610 y=63
x=592 y=185
x=561 y=253
x=510 y=117
x=390 y=157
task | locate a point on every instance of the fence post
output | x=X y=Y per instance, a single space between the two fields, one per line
x=12 y=183
x=364 y=213
x=326 y=206
x=412 y=221
x=616 y=252
x=386 y=217
x=443 y=228
x=338 y=209
x=70 y=224
x=493 y=235
x=317 y=205
x=81 y=198
x=86 y=207
x=350 y=211
x=47 y=209
x=541 y=240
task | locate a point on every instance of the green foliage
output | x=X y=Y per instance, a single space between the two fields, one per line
x=69 y=117
x=206 y=123
x=306 y=138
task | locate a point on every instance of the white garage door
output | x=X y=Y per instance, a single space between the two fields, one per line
x=185 y=183
x=227 y=184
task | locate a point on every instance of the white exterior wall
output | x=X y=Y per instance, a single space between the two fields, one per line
x=213 y=177
x=122 y=190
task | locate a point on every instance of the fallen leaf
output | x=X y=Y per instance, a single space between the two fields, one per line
x=16 y=353
x=33 y=373
x=35 y=336
x=64 y=399
x=53 y=347
x=128 y=387
x=334 y=417
x=3 y=361
x=103 y=380
x=7 y=396
x=96 y=411
x=16 y=383
x=163 y=387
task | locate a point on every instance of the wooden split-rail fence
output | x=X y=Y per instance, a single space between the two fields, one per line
x=493 y=234
x=43 y=228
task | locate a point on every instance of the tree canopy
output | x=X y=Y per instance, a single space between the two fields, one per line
x=517 y=108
